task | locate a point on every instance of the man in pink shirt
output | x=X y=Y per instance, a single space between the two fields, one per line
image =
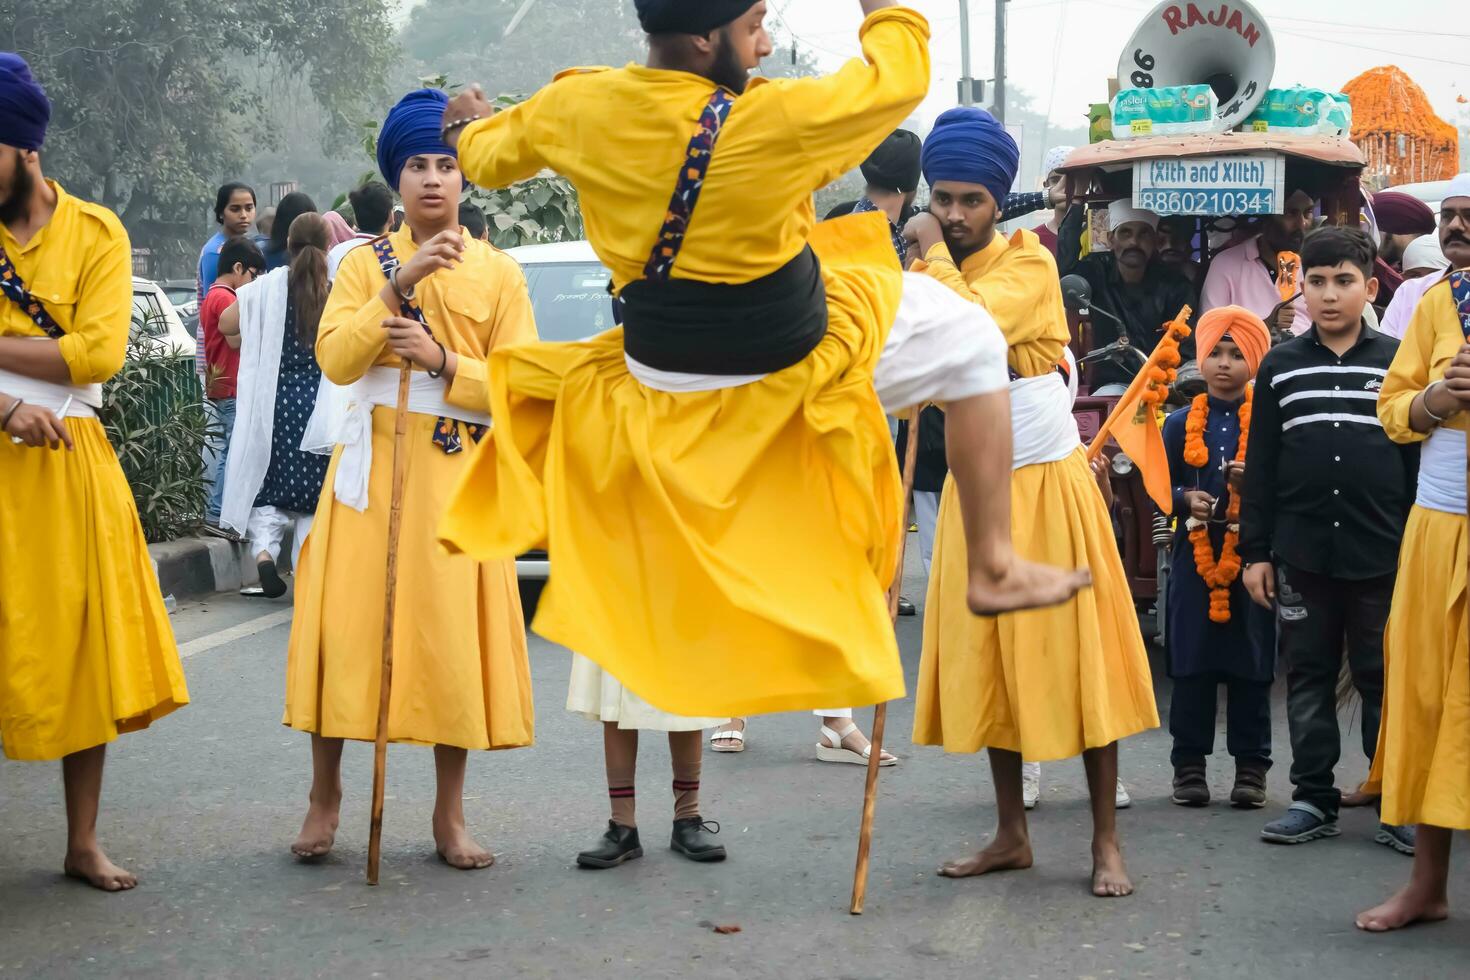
x=1245 y=275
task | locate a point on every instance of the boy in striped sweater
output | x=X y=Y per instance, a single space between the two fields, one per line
x=1326 y=498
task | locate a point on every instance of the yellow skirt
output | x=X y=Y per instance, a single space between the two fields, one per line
x=724 y=552
x=1047 y=683
x=86 y=649
x=1422 y=766
x=460 y=671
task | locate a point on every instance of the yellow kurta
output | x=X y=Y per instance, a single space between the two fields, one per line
x=1047 y=683
x=86 y=649
x=1422 y=766
x=719 y=552
x=460 y=670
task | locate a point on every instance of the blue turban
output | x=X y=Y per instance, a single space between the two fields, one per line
x=24 y=108
x=414 y=126
x=968 y=145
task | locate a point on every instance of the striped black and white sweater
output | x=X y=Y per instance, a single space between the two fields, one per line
x=1325 y=489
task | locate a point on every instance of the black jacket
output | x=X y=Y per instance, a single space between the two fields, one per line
x=1144 y=308
x=931 y=466
x=1325 y=489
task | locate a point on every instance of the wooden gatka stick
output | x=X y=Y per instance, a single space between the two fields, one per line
x=880 y=713
x=385 y=682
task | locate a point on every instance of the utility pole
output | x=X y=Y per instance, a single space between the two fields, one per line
x=967 y=84
x=998 y=92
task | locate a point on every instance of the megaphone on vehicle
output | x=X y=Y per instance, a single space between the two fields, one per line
x=1225 y=45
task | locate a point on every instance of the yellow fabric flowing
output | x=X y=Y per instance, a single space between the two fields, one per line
x=1422 y=765
x=460 y=670
x=1047 y=683
x=720 y=553
x=86 y=649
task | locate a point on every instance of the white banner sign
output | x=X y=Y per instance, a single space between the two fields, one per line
x=1238 y=185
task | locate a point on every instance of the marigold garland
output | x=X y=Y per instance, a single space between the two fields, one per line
x=1162 y=369
x=1219 y=574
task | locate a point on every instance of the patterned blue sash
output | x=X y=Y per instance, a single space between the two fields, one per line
x=687 y=187
x=446 y=430
x=1460 y=289
x=13 y=288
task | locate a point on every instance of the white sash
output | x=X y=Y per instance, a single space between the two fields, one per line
x=1042 y=427
x=1442 y=472
x=262 y=307
x=355 y=427
x=51 y=395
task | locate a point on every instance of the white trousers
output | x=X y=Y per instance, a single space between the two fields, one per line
x=266 y=530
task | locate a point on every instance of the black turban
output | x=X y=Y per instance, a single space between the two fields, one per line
x=894 y=165
x=688 y=16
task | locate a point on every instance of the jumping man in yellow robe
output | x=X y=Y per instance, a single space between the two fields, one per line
x=1422 y=766
x=1043 y=684
x=86 y=650
x=460 y=674
x=714 y=480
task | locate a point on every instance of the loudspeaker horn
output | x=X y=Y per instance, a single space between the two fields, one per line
x=1225 y=45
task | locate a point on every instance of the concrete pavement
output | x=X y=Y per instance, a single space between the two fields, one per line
x=203 y=807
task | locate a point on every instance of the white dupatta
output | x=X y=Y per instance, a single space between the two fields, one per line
x=262 y=306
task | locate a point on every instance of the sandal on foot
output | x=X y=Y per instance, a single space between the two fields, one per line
x=731 y=735
x=837 y=753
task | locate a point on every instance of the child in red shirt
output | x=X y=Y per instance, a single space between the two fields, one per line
x=240 y=261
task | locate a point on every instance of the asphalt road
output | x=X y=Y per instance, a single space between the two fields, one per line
x=204 y=805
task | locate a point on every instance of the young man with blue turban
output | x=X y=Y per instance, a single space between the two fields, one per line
x=1044 y=684
x=86 y=649
x=430 y=295
x=714 y=479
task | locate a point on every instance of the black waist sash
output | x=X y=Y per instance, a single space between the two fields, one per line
x=756 y=327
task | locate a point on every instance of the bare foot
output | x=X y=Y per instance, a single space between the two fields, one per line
x=999 y=856
x=1024 y=585
x=1109 y=874
x=1405 y=908
x=318 y=832
x=93 y=867
x=458 y=848
x=1358 y=798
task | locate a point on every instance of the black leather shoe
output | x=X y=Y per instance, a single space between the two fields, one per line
x=1190 y=786
x=692 y=838
x=619 y=845
x=906 y=607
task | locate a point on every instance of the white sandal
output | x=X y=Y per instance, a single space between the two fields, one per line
x=837 y=753
x=733 y=735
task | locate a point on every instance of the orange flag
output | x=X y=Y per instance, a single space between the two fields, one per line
x=1139 y=434
x=1134 y=421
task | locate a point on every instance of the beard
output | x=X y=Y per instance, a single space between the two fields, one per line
x=727 y=69
x=22 y=188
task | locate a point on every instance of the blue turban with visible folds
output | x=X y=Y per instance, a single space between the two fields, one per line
x=24 y=108
x=968 y=145
x=414 y=126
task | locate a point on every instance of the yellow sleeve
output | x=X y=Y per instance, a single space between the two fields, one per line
x=839 y=119
x=350 y=338
x=1408 y=375
x=1009 y=293
x=500 y=151
x=513 y=323
x=97 y=342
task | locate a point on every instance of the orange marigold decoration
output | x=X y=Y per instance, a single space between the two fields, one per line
x=1218 y=573
x=1397 y=130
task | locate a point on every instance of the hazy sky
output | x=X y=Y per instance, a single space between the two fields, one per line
x=1062 y=51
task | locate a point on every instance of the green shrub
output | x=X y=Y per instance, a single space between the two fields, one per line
x=153 y=412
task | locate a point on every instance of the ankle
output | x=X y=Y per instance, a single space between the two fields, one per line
x=329 y=798
x=993 y=561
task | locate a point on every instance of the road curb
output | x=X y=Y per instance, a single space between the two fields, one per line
x=190 y=567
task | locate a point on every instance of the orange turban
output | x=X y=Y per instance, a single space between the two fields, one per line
x=1240 y=325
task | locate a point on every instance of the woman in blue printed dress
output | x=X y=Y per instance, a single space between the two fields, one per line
x=274 y=485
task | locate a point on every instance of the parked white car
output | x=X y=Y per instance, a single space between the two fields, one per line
x=157 y=323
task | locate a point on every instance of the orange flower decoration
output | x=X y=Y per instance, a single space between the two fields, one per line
x=1218 y=573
